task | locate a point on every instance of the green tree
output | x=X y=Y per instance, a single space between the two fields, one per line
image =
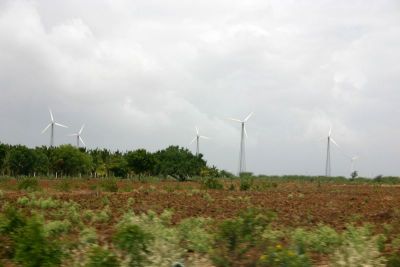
x=69 y=160
x=118 y=166
x=140 y=161
x=3 y=155
x=21 y=160
x=178 y=162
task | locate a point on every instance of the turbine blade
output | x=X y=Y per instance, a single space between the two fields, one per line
x=61 y=125
x=80 y=138
x=248 y=117
x=191 y=142
x=73 y=134
x=355 y=158
x=80 y=131
x=204 y=137
x=245 y=132
x=330 y=131
x=197 y=130
x=333 y=141
x=51 y=115
x=232 y=119
x=45 y=129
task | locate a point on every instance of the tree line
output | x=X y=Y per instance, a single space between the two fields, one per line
x=66 y=160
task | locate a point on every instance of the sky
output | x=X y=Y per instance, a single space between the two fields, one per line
x=144 y=73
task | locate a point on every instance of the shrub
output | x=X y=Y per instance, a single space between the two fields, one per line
x=55 y=228
x=28 y=184
x=278 y=256
x=33 y=249
x=194 y=236
x=246 y=183
x=134 y=241
x=88 y=236
x=212 y=183
x=101 y=257
x=64 y=185
x=235 y=237
x=109 y=185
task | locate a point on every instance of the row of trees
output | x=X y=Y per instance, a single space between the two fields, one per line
x=67 y=160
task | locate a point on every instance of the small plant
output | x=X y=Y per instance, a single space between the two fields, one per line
x=101 y=257
x=212 y=183
x=134 y=241
x=278 y=256
x=33 y=249
x=64 y=185
x=56 y=228
x=109 y=185
x=246 y=183
x=194 y=236
x=28 y=184
x=88 y=236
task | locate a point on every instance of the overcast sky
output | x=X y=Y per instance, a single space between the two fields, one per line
x=143 y=74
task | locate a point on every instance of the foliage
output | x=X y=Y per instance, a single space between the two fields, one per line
x=101 y=257
x=178 y=162
x=194 y=235
x=246 y=183
x=132 y=239
x=278 y=256
x=140 y=161
x=212 y=183
x=21 y=160
x=32 y=248
x=109 y=185
x=69 y=160
x=29 y=184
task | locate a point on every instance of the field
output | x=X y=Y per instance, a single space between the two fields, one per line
x=210 y=222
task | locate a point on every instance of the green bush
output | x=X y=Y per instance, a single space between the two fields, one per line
x=109 y=185
x=246 y=183
x=28 y=184
x=101 y=257
x=323 y=239
x=33 y=249
x=235 y=237
x=279 y=256
x=212 y=183
x=194 y=235
x=134 y=241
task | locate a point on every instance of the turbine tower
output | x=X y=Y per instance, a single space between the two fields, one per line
x=328 y=154
x=78 y=137
x=352 y=162
x=243 y=134
x=51 y=125
x=197 y=139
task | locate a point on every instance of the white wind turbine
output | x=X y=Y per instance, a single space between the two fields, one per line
x=51 y=125
x=197 y=139
x=352 y=163
x=78 y=136
x=328 y=153
x=243 y=134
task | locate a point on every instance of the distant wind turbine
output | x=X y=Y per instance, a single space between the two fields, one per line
x=78 y=136
x=328 y=153
x=197 y=139
x=352 y=162
x=243 y=134
x=51 y=125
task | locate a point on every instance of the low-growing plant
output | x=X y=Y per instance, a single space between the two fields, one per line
x=194 y=235
x=246 y=183
x=28 y=184
x=109 y=185
x=278 y=256
x=88 y=236
x=212 y=183
x=56 y=228
x=101 y=257
x=32 y=248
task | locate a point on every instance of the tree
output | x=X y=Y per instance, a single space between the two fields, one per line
x=21 y=160
x=178 y=162
x=118 y=166
x=140 y=161
x=3 y=154
x=70 y=160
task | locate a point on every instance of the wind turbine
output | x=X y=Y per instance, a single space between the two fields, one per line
x=242 y=158
x=78 y=136
x=328 y=153
x=51 y=125
x=352 y=162
x=197 y=139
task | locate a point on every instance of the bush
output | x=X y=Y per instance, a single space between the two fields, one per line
x=134 y=241
x=323 y=239
x=28 y=184
x=278 y=256
x=33 y=249
x=246 y=183
x=235 y=237
x=193 y=234
x=101 y=257
x=212 y=183
x=109 y=185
